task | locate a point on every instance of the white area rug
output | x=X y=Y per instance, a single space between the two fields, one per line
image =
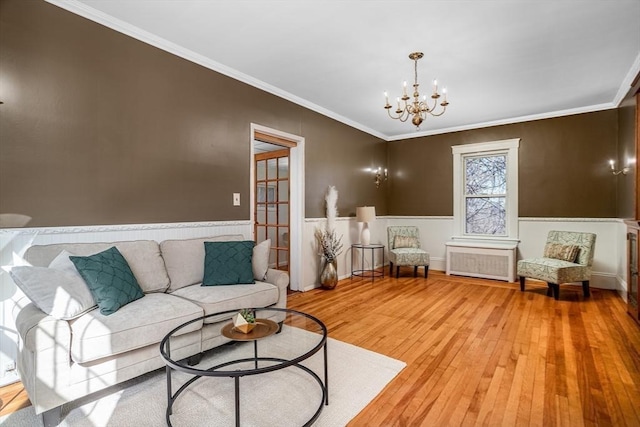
x=288 y=397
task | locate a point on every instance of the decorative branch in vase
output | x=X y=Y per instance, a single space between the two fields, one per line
x=329 y=243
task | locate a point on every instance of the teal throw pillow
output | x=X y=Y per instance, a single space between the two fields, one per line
x=228 y=263
x=109 y=278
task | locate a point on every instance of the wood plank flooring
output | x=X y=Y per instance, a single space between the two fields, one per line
x=480 y=352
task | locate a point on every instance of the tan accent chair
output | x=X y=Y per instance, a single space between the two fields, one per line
x=568 y=258
x=404 y=250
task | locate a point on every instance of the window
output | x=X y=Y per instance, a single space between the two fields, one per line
x=485 y=179
x=485 y=193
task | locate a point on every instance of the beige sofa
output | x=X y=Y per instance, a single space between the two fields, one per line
x=62 y=360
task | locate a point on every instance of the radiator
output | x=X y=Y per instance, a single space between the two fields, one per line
x=486 y=260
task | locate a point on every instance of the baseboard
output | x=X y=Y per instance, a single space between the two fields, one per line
x=621 y=288
x=600 y=280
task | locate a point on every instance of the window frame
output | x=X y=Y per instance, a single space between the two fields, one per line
x=507 y=147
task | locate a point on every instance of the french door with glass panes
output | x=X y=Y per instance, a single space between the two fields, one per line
x=272 y=205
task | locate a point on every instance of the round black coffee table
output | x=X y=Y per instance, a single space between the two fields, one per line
x=301 y=337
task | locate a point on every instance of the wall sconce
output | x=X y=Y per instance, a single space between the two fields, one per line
x=625 y=170
x=379 y=176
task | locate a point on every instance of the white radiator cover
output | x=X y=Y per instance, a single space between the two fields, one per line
x=480 y=259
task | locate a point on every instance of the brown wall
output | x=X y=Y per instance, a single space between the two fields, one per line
x=99 y=128
x=563 y=169
x=626 y=189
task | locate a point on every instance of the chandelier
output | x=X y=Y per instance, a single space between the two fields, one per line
x=416 y=109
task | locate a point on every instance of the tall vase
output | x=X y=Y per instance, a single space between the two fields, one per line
x=329 y=275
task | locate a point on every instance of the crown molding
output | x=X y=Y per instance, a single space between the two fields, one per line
x=627 y=83
x=507 y=121
x=81 y=9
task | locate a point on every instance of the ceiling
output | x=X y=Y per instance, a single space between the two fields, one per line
x=502 y=61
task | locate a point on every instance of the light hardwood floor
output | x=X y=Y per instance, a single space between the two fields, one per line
x=480 y=352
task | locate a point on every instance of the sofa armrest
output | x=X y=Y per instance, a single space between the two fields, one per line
x=278 y=278
x=38 y=331
x=281 y=280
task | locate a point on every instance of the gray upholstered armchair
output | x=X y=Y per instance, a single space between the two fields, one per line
x=568 y=257
x=404 y=250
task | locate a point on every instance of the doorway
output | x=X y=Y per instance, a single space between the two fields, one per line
x=271 y=209
x=292 y=243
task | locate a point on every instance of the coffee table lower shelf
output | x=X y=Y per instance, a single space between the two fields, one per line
x=274 y=364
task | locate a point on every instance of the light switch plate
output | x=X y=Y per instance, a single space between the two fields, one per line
x=236 y=199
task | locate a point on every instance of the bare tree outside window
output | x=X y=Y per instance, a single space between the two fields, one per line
x=485 y=195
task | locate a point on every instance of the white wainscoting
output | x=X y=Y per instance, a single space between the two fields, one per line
x=13 y=243
x=609 y=267
x=609 y=270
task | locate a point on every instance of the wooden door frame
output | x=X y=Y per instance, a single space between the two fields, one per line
x=296 y=189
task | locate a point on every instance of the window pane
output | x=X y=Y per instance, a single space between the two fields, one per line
x=283 y=167
x=261 y=173
x=262 y=234
x=261 y=215
x=272 y=169
x=486 y=175
x=283 y=260
x=486 y=215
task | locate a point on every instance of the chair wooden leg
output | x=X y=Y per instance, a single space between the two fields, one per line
x=585 y=288
x=556 y=291
x=415 y=271
x=397 y=271
x=522 y=283
x=549 y=290
x=390 y=269
x=426 y=271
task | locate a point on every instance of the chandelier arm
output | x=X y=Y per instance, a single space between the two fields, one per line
x=399 y=117
x=439 y=114
x=430 y=108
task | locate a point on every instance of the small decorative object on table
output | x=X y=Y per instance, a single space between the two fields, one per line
x=244 y=321
x=329 y=244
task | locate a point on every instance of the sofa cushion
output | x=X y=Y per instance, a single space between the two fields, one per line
x=143 y=256
x=215 y=299
x=58 y=293
x=109 y=278
x=141 y=323
x=184 y=259
x=228 y=263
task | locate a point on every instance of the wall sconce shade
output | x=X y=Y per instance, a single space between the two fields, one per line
x=365 y=214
